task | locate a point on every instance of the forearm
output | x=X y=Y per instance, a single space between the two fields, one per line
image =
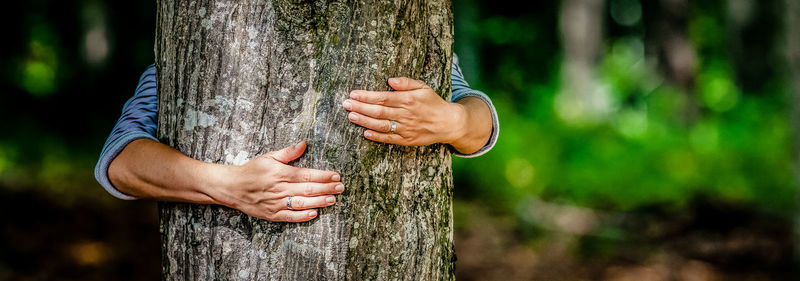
x=149 y=169
x=474 y=125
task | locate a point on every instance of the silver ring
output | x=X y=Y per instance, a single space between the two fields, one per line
x=392 y=127
x=289 y=203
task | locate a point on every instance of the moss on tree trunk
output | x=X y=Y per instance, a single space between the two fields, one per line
x=241 y=78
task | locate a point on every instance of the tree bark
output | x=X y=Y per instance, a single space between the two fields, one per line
x=239 y=78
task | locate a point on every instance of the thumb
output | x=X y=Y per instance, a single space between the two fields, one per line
x=406 y=84
x=289 y=153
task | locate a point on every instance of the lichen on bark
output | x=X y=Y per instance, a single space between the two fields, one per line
x=241 y=78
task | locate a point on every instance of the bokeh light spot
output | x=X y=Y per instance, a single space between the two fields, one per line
x=704 y=137
x=38 y=78
x=720 y=94
x=520 y=172
x=96 y=45
x=37 y=72
x=7 y=156
x=89 y=253
x=632 y=123
x=626 y=12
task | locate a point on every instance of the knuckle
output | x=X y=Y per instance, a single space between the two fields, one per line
x=278 y=172
x=308 y=190
x=279 y=195
x=268 y=215
x=272 y=210
x=283 y=217
x=277 y=188
x=260 y=163
x=409 y=100
x=286 y=173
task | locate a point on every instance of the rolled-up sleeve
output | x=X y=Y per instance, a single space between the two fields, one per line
x=138 y=121
x=462 y=90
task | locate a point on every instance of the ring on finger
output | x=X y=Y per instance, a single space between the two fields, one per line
x=289 y=203
x=392 y=126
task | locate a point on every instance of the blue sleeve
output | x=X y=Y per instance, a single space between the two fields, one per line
x=138 y=121
x=461 y=90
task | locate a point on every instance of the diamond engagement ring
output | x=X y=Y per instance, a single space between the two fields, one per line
x=392 y=127
x=289 y=203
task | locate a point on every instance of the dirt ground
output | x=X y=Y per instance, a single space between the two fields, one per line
x=46 y=241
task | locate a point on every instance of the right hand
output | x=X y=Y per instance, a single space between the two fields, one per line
x=261 y=186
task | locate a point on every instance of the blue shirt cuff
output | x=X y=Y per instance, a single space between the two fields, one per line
x=495 y=122
x=110 y=151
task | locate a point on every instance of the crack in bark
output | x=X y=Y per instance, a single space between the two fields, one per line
x=274 y=72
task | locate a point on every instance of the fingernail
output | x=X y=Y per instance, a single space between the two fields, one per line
x=354 y=95
x=394 y=80
x=312 y=213
x=347 y=104
x=352 y=117
x=367 y=133
x=339 y=187
x=330 y=200
x=335 y=178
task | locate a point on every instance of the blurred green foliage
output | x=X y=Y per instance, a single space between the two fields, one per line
x=738 y=150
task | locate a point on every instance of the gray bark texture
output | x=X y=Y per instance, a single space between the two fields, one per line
x=239 y=78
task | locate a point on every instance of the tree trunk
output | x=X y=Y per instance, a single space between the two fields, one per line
x=676 y=53
x=239 y=78
x=792 y=49
x=581 y=100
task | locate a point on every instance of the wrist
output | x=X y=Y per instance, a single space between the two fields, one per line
x=457 y=128
x=475 y=125
x=213 y=181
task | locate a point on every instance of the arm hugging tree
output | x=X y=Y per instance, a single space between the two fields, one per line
x=240 y=78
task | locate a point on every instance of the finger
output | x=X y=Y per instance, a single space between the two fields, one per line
x=294 y=216
x=303 y=203
x=369 y=122
x=392 y=99
x=289 y=153
x=313 y=188
x=371 y=110
x=385 y=137
x=406 y=84
x=294 y=174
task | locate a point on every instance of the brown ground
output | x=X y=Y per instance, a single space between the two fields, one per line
x=46 y=241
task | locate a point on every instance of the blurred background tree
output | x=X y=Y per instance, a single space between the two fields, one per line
x=647 y=140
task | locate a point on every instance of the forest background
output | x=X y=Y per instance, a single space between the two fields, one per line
x=640 y=140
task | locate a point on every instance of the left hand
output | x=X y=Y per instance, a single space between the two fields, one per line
x=421 y=116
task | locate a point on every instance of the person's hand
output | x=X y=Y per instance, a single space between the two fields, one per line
x=421 y=116
x=261 y=186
